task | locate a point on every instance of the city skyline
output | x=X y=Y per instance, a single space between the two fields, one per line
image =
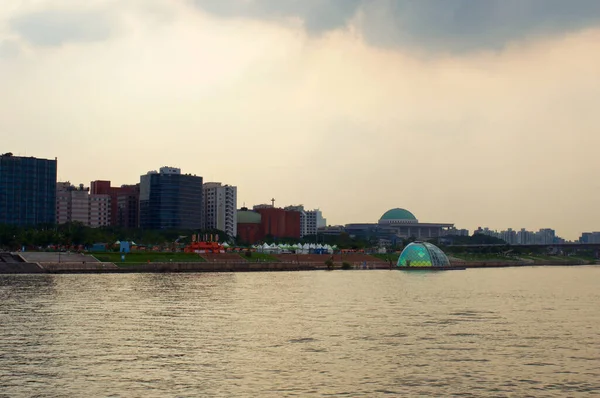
x=352 y=107
x=86 y=188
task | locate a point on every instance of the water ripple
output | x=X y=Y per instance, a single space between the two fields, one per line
x=480 y=333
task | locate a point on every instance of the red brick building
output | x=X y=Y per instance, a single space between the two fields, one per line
x=249 y=227
x=255 y=225
x=124 y=202
x=279 y=223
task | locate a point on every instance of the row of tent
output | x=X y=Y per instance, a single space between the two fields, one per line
x=306 y=248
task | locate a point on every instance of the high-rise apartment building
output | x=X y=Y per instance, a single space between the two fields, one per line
x=76 y=204
x=170 y=200
x=314 y=221
x=220 y=207
x=27 y=190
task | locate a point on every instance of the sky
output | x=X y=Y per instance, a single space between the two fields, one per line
x=473 y=112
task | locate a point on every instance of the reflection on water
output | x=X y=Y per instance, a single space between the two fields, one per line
x=529 y=331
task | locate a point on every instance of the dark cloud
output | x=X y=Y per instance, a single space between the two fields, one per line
x=438 y=24
x=317 y=15
x=54 y=27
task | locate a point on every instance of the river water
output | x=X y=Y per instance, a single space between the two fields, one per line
x=475 y=333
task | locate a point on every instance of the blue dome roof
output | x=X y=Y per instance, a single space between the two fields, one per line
x=422 y=254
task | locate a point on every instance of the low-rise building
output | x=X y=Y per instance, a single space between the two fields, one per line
x=395 y=225
x=76 y=204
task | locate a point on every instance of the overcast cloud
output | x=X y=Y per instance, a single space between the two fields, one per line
x=53 y=27
x=344 y=114
x=438 y=24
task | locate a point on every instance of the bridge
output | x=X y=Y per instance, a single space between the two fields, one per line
x=593 y=246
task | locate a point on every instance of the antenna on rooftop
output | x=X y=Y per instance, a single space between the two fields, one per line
x=273 y=202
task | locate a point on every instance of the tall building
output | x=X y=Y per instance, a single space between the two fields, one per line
x=128 y=206
x=220 y=207
x=124 y=202
x=314 y=221
x=76 y=204
x=170 y=200
x=27 y=190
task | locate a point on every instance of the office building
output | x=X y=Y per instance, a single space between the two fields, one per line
x=171 y=200
x=27 y=190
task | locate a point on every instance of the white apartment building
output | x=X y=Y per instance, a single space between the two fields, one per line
x=76 y=204
x=220 y=207
x=314 y=221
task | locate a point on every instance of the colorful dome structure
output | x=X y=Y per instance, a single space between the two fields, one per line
x=422 y=254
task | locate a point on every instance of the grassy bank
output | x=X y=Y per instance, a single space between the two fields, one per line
x=483 y=257
x=146 y=257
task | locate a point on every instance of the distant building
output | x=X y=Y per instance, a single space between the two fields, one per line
x=27 y=190
x=544 y=236
x=332 y=230
x=314 y=221
x=395 y=225
x=590 y=237
x=267 y=221
x=279 y=223
x=76 y=204
x=128 y=206
x=124 y=202
x=303 y=218
x=249 y=228
x=170 y=200
x=310 y=220
x=220 y=207
x=456 y=232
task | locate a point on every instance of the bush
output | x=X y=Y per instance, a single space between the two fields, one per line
x=329 y=263
x=346 y=265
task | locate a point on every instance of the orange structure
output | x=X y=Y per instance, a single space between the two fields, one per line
x=204 y=247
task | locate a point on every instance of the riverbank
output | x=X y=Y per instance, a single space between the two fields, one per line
x=205 y=267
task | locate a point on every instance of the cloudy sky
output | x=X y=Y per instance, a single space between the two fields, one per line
x=476 y=112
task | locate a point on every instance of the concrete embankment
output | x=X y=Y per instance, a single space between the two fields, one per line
x=21 y=268
x=64 y=268
x=505 y=264
x=98 y=267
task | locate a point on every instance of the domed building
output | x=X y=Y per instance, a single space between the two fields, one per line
x=397 y=224
x=422 y=254
x=249 y=225
x=398 y=216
